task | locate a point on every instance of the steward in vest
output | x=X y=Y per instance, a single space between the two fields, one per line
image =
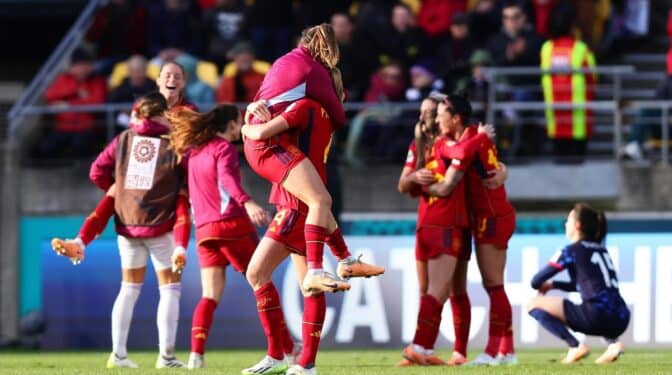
x=569 y=129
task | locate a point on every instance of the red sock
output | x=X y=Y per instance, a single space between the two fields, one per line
x=429 y=320
x=337 y=244
x=270 y=315
x=200 y=325
x=286 y=337
x=315 y=236
x=182 y=226
x=500 y=318
x=506 y=342
x=96 y=222
x=314 y=308
x=461 y=321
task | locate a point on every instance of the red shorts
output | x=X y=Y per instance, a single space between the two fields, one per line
x=430 y=242
x=495 y=230
x=273 y=162
x=287 y=228
x=226 y=242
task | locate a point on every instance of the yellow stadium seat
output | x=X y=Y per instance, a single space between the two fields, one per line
x=258 y=66
x=206 y=71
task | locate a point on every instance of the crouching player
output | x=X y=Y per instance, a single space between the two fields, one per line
x=602 y=311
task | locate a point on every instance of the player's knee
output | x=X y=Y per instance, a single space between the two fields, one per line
x=322 y=199
x=532 y=304
x=256 y=278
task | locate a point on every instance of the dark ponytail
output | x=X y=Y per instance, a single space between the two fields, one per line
x=593 y=223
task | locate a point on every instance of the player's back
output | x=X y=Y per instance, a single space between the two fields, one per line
x=595 y=274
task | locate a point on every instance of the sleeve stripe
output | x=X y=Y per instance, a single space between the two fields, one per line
x=556 y=266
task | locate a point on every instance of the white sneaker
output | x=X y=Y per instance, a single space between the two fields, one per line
x=633 y=151
x=172 y=362
x=267 y=365
x=507 y=359
x=484 y=359
x=195 y=361
x=292 y=357
x=611 y=354
x=298 y=370
x=115 y=362
x=576 y=354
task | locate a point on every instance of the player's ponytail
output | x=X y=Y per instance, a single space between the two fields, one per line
x=192 y=129
x=593 y=223
x=337 y=81
x=150 y=105
x=321 y=44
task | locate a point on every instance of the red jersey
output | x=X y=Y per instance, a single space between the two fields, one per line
x=439 y=211
x=310 y=129
x=476 y=155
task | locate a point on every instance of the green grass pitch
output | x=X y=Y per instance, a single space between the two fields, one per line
x=336 y=362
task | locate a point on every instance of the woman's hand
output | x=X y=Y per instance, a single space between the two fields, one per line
x=545 y=287
x=497 y=177
x=258 y=109
x=423 y=177
x=488 y=129
x=248 y=133
x=258 y=215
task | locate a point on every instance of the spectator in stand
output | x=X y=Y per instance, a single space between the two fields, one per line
x=436 y=16
x=74 y=133
x=570 y=130
x=268 y=24
x=485 y=21
x=423 y=82
x=174 y=24
x=454 y=51
x=135 y=85
x=196 y=91
x=476 y=86
x=648 y=122
x=388 y=84
x=352 y=55
x=119 y=30
x=222 y=26
x=243 y=76
x=405 y=42
x=516 y=44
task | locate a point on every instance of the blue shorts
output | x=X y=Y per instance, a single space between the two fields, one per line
x=587 y=319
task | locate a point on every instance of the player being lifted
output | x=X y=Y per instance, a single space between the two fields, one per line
x=305 y=72
x=602 y=311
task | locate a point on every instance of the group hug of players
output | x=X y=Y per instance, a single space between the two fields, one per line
x=173 y=158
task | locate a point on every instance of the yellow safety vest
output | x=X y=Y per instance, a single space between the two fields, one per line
x=579 y=54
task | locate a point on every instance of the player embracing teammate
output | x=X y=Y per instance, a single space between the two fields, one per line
x=460 y=150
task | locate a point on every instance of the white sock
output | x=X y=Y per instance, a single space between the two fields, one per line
x=314 y=271
x=167 y=316
x=122 y=314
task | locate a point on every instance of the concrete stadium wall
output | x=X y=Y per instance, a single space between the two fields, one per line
x=65 y=190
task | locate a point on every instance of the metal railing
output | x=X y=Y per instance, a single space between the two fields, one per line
x=52 y=66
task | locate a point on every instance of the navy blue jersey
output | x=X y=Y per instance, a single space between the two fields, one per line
x=591 y=272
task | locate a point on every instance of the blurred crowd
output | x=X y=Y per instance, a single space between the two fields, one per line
x=390 y=50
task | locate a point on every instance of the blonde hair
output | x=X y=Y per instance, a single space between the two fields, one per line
x=337 y=81
x=190 y=129
x=321 y=43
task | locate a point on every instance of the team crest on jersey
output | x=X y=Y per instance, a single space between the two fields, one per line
x=144 y=151
x=142 y=163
